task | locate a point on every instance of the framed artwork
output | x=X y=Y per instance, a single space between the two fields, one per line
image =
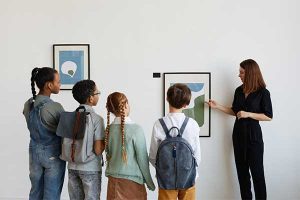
x=199 y=84
x=72 y=61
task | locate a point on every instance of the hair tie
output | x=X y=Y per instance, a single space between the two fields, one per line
x=36 y=72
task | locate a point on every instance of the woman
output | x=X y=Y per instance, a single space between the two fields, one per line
x=251 y=104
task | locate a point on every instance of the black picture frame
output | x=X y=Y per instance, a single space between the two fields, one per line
x=194 y=80
x=72 y=62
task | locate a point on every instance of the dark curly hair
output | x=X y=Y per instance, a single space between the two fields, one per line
x=40 y=76
x=82 y=90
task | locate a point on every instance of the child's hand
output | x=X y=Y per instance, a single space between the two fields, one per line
x=152 y=188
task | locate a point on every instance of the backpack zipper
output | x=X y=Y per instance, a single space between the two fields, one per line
x=175 y=164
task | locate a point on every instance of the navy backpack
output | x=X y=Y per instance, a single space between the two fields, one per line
x=175 y=162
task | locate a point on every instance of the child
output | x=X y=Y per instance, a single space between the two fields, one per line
x=126 y=153
x=47 y=171
x=85 y=178
x=178 y=96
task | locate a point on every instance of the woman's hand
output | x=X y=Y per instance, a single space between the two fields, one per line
x=256 y=116
x=212 y=103
x=242 y=114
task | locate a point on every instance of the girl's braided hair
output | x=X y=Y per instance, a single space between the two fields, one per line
x=116 y=104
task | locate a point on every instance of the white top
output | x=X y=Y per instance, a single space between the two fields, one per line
x=191 y=134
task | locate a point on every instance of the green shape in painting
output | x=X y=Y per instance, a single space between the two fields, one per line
x=197 y=112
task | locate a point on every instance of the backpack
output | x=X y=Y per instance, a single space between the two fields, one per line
x=175 y=163
x=73 y=128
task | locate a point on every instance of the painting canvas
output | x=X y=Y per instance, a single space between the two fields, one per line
x=199 y=84
x=72 y=63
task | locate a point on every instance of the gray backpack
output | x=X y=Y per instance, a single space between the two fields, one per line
x=175 y=162
x=76 y=144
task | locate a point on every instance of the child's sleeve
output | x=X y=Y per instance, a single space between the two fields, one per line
x=142 y=157
x=99 y=129
x=153 y=146
x=26 y=110
x=197 y=143
x=50 y=115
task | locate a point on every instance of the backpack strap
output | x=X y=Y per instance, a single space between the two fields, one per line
x=183 y=126
x=78 y=114
x=163 y=124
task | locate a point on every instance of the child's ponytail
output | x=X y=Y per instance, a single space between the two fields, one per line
x=34 y=73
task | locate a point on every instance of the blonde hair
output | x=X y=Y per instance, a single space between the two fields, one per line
x=116 y=104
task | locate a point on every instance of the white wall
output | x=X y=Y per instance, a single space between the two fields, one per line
x=132 y=39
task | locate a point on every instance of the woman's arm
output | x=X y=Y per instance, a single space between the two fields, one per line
x=266 y=109
x=256 y=116
x=213 y=104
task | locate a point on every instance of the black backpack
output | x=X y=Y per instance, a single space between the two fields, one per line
x=175 y=162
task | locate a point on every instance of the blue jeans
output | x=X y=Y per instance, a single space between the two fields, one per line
x=47 y=172
x=84 y=185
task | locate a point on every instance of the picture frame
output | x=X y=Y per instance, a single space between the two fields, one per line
x=72 y=62
x=200 y=85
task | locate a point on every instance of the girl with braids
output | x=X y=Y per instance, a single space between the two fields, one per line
x=42 y=114
x=126 y=153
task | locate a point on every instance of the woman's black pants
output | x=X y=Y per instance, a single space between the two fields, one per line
x=249 y=157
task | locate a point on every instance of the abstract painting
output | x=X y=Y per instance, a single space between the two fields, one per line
x=199 y=84
x=72 y=61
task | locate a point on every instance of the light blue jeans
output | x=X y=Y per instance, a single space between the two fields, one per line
x=47 y=172
x=84 y=185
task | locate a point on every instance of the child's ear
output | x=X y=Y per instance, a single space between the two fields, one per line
x=49 y=85
x=90 y=99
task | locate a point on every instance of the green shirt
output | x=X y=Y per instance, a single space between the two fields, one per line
x=137 y=166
